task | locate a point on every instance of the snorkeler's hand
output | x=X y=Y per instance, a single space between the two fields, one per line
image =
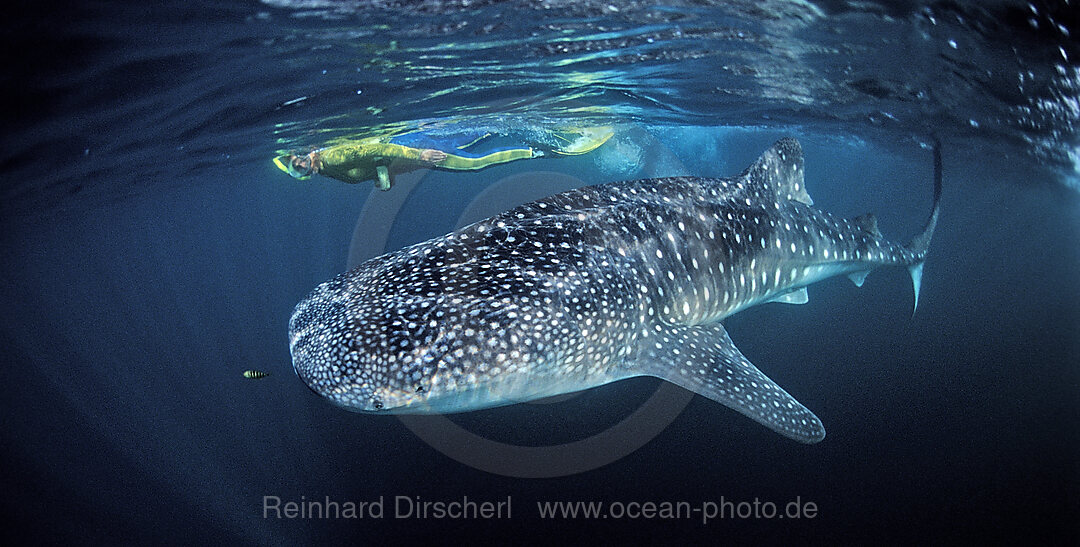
x=432 y=156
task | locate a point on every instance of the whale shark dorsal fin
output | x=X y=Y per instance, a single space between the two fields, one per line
x=703 y=359
x=778 y=173
x=868 y=222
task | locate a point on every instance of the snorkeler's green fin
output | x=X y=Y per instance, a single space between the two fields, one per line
x=584 y=140
x=383 y=182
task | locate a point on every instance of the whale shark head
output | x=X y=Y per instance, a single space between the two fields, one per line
x=382 y=342
x=369 y=355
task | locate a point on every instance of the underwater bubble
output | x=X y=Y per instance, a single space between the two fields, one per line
x=619 y=158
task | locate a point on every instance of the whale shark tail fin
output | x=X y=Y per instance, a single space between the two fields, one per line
x=920 y=244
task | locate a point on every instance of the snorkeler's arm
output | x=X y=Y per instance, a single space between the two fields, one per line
x=382 y=178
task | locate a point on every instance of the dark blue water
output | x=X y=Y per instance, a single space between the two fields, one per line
x=152 y=253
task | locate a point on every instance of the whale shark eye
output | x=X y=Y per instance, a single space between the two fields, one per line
x=377 y=404
x=419 y=389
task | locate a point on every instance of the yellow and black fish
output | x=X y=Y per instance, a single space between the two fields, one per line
x=255 y=374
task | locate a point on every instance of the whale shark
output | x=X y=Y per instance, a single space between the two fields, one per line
x=588 y=287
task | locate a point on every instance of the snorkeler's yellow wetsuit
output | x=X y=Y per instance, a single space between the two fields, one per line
x=359 y=162
x=373 y=159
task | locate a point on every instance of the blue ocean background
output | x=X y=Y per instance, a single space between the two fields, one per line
x=152 y=253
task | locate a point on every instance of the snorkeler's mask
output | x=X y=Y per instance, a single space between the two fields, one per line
x=298 y=167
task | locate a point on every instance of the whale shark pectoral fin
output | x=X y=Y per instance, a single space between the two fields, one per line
x=703 y=359
x=858 y=277
x=798 y=296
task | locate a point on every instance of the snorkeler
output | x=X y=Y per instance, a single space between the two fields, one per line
x=379 y=158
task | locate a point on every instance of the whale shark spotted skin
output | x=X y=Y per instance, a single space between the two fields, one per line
x=588 y=287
